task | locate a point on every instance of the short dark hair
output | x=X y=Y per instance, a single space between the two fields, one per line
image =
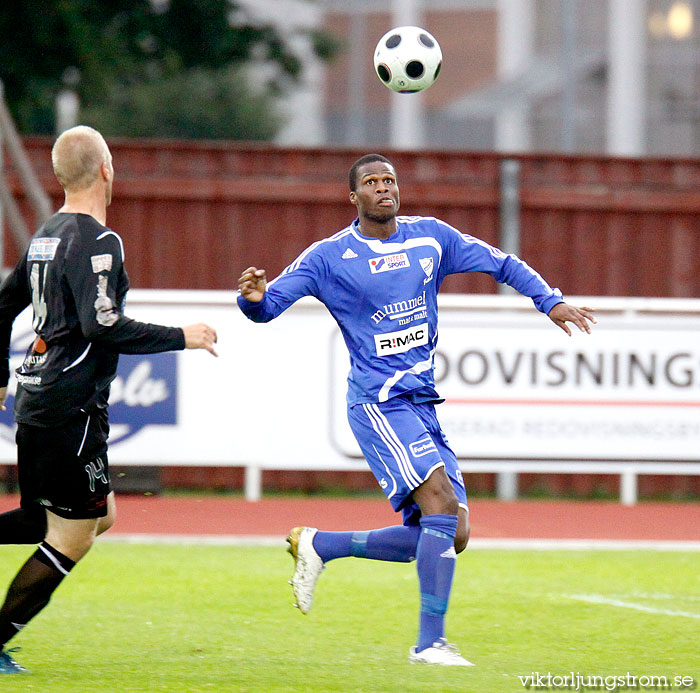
x=366 y=159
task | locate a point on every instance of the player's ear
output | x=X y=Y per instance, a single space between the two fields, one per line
x=353 y=197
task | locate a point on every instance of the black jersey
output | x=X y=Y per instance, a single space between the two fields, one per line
x=73 y=275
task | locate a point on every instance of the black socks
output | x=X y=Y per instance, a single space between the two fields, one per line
x=31 y=589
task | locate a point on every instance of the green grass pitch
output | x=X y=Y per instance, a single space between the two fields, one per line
x=219 y=618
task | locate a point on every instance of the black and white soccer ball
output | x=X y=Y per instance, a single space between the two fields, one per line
x=407 y=59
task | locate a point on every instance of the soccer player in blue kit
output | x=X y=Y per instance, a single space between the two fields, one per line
x=379 y=278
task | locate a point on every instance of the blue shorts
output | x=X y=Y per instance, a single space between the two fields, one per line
x=403 y=444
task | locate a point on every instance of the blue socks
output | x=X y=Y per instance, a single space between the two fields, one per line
x=432 y=545
x=435 y=561
x=397 y=544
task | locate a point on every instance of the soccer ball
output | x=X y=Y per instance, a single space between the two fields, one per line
x=407 y=59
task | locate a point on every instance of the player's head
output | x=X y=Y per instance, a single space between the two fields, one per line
x=80 y=158
x=373 y=188
x=366 y=159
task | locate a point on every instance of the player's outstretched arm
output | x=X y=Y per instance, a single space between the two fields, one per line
x=563 y=313
x=252 y=284
x=200 y=336
x=3 y=397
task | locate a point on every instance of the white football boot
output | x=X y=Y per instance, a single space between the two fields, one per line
x=308 y=566
x=441 y=652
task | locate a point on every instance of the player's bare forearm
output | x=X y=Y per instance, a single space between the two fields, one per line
x=252 y=284
x=200 y=336
x=581 y=317
x=3 y=397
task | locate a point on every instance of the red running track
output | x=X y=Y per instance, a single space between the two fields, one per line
x=526 y=519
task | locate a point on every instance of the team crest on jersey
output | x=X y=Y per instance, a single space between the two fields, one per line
x=387 y=263
x=43 y=249
x=427 y=264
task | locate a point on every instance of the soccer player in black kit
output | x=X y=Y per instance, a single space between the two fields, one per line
x=73 y=276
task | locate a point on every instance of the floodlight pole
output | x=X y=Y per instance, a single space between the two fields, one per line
x=516 y=41
x=407 y=110
x=360 y=65
x=627 y=78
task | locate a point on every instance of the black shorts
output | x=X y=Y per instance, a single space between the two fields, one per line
x=65 y=468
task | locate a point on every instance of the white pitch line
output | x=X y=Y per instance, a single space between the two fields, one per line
x=600 y=599
x=584 y=544
x=476 y=543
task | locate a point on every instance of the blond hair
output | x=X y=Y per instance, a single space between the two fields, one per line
x=77 y=156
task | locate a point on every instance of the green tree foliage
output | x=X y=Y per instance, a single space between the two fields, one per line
x=198 y=103
x=146 y=67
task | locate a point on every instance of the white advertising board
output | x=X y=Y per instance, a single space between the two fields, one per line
x=516 y=387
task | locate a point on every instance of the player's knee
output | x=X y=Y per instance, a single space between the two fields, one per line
x=436 y=495
x=463 y=529
x=74 y=547
x=461 y=540
x=105 y=523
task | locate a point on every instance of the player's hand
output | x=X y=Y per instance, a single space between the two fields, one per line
x=200 y=336
x=3 y=397
x=252 y=284
x=563 y=313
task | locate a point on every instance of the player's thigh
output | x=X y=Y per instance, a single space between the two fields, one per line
x=397 y=446
x=447 y=455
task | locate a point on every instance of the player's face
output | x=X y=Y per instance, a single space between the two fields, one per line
x=377 y=193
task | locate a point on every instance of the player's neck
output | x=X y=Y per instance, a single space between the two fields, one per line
x=377 y=229
x=87 y=201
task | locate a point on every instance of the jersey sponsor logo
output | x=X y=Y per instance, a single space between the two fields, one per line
x=401 y=341
x=28 y=379
x=43 y=249
x=144 y=392
x=34 y=360
x=400 y=309
x=388 y=263
x=101 y=263
x=427 y=264
x=349 y=254
x=38 y=354
x=424 y=446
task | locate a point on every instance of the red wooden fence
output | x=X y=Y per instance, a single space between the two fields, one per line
x=193 y=214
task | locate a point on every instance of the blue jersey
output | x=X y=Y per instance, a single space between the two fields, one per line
x=383 y=295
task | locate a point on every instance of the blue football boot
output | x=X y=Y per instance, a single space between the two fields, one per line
x=8 y=665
